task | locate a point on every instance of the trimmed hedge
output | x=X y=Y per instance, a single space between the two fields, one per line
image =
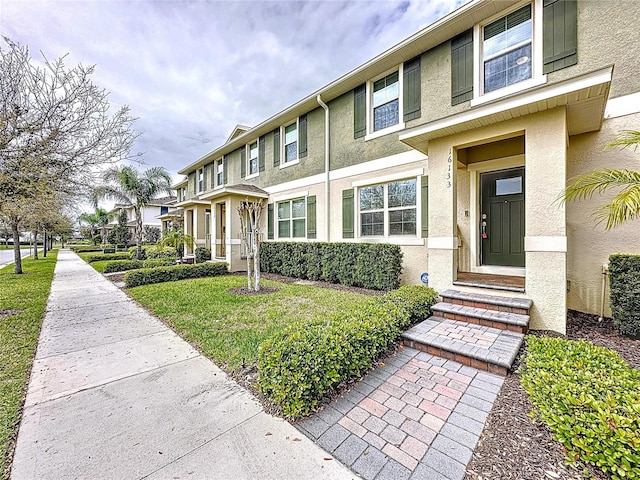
x=122 y=265
x=299 y=365
x=85 y=248
x=376 y=266
x=624 y=278
x=202 y=254
x=590 y=399
x=417 y=299
x=161 y=252
x=148 y=276
x=159 y=262
x=107 y=256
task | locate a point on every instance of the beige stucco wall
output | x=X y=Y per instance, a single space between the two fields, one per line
x=607 y=35
x=589 y=244
x=545 y=153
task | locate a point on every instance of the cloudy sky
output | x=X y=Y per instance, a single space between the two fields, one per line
x=192 y=70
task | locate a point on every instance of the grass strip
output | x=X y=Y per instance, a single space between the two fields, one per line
x=23 y=301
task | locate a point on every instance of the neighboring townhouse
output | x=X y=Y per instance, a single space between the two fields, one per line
x=150 y=213
x=454 y=144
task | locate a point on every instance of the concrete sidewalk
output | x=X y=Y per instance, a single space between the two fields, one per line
x=114 y=393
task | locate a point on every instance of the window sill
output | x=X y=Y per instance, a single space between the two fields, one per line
x=511 y=89
x=253 y=175
x=288 y=164
x=406 y=241
x=385 y=131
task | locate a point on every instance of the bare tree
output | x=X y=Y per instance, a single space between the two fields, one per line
x=250 y=233
x=55 y=130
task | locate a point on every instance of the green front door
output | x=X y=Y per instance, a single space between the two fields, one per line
x=502 y=217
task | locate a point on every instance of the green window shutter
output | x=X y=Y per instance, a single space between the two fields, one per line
x=270 y=221
x=276 y=147
x=424 y=207
x=560 y=34
x=302 y=136
x=261 y=154
x=462 y=67
x=311 y=216
x=359 y=111
x=243 y=162
x=347 y=213
x=225 y=169
x=204 y=176
x=411 y=90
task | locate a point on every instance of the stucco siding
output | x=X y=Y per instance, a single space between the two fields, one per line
x=589 y=244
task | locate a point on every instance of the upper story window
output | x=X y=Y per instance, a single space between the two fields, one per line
x=164 y=210
x=388 y=209
x=507 y=53
x=291 y=142
x=219 y=172
x=513 y=51
x=201 y=180
x=386 y=102
x=292 y=218
x=253 y=159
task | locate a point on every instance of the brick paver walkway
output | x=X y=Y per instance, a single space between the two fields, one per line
x=418 y=416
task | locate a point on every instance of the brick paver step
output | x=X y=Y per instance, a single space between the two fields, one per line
x=482 y=316
x=478 y=346
x=491 y=302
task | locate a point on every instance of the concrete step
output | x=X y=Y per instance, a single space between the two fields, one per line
x=478 y=346
x=490 y=302
x=515 y=322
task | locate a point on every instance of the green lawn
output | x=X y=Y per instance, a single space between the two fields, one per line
x=98 y=266
x=22 y=304
x=228 y=327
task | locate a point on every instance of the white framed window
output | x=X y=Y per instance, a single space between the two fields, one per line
x=385 y=102
x=290 y=143
x=384 y=105
x=200 y=180
x=292 y=218
x=389 y=209
x=507 y=53
x=509 y=49
x=252 y=159
x=219 y=172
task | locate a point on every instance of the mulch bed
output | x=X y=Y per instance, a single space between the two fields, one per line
x=514 y=447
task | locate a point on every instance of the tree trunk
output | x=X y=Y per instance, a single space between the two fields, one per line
x=45 y=244
x=35 y=245
x=256 y=263
x=138 y=213
x=15 y=222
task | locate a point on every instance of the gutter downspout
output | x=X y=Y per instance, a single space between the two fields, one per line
x=327 y=189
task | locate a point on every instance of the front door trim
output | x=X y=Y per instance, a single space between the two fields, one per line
x=474 y=215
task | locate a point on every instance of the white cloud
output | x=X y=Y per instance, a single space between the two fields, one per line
x=191 y=71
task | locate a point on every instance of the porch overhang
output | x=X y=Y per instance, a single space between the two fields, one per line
x=585 y=98
x=192 y=201
x=240 y=189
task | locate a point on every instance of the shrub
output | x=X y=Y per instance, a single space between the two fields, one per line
x=177 y=272
x=202 y=254
x=624 y=277
x=376 y=266
x=86 y=248
x=161 y=252
x=159 y=262
x=133 y=252
x=122 y=265
x=590 y=399
x=299 y=365
x=416 y=299
x=107 y=256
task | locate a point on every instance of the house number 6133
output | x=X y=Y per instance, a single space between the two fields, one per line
x=449 y=167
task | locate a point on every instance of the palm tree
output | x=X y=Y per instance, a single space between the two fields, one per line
x=625 y=205
x=177 y=239
x=98 y=220
x=127 y=185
